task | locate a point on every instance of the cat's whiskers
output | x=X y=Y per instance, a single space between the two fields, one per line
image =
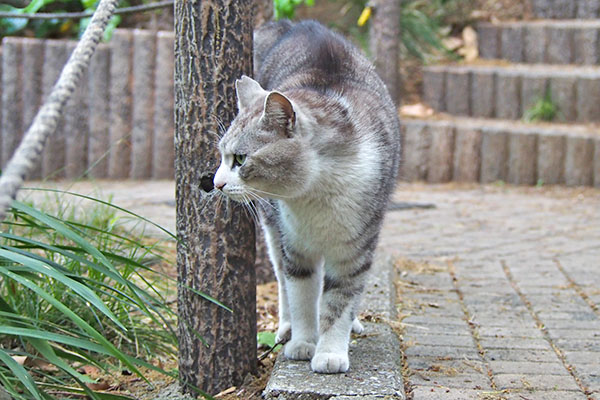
x=249 y=207
x=271 y=194
x=261 y=200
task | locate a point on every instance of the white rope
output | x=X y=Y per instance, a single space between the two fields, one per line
x=47 y=118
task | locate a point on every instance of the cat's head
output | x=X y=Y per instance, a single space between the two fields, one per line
x=262 y=152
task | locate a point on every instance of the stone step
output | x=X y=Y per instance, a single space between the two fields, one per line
x=485 y=150
x=566 y=9
x=508 y=91
x=543 y=41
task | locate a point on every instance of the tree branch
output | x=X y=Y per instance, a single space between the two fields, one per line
x=80 y=15
x=46 y=120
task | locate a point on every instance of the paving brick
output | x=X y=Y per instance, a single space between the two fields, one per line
x=458 y=92
x=579 y=160
x=544 y=395
x=521 y=160
x=509 y=331
x=596 y=162
x=514 y=343
x=437 y=393
x=535 y=42
x=511 y=43
x=535 y=382
x=444 y=340
x=33 y=57
x=542 y=8
x=434 y=87
x=527 y=367
x=467 y=155
x=521 y=355
x=551 y=158
x=444 y=352
x=560 y=49
x=482 y=93
x=12 y=129
x=508 y=94
x=441 y=153
x=458 y=381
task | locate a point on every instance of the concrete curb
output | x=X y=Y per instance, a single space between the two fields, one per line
x=508 y=91
x=566 y=9
x=537 y=42
x=375 y=368
x=484 y=150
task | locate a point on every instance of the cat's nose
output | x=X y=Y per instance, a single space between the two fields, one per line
x=220 y=185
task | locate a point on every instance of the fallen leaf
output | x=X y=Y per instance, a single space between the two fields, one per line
x=418 y=110
x=101 y=385
x=21 y=360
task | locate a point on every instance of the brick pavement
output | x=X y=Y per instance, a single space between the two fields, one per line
x=498 y=287
x=499 y=292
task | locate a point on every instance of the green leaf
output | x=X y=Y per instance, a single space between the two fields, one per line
x=21 y=374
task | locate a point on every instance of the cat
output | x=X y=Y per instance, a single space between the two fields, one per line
x=316 y=148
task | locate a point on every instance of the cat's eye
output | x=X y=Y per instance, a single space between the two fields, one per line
x=238 y=160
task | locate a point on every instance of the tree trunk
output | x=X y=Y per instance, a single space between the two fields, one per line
x=213 y=47
x=384 y=42
x=263 y=12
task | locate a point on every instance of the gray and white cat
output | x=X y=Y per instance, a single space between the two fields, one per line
x=316 y=147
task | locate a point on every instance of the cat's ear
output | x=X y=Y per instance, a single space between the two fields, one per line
x=279 y=112
x=248 y=91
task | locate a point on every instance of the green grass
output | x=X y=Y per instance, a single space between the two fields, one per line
x=76 y=288
x=544 y=109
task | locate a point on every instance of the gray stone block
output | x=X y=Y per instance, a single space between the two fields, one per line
x=99 y=146
x=562 y=88
x=560 y=49
x=76 y=127
x=508 y=94
x=511 y=43
x=535 y=43
x=53 y=158
x=441 y=153
x=458 y=91
x=551 y=157
x=120 y=107
x=12 y=128
x=579 y=159
x=588 y=9
x=415 y=151
x=585 y=41
x=494 y=155
x=542 y=8
x=488 y=36
x=467 y=154
x=533 y=88
x=144 y=57
x=162 y=148
x=564 y=9
x=597 y=162
x=434 y=87
x=522 y=147
x=482 y=93
x=588 y=98
x=33 y=62
x=374 y=371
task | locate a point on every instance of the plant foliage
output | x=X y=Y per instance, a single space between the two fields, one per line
x=76 y=291
x=544 y=109
x=287 y=8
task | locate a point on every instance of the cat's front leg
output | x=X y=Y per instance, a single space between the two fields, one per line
x=303 y=279
x=341 y=298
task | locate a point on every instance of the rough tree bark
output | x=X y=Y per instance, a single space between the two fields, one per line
x=213 y=47
x=384 y=42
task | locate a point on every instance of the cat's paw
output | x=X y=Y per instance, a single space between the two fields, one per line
x=299 y=350
x=330 y=363
x=284 y=332
x=357 y=327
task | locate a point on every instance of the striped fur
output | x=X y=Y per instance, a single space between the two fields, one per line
x=321 y=141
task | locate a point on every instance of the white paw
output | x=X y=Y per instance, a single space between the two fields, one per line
x=299 y=350
x=330 y=363
x=284 y=332
x=357 y=327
